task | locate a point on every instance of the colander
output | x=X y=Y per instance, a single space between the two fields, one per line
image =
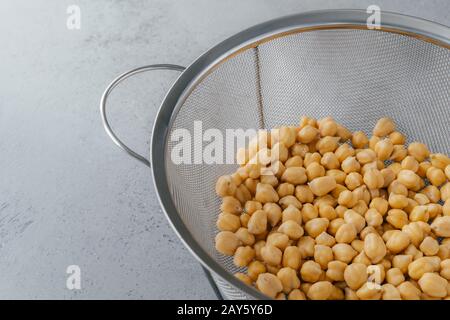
x=322 y=63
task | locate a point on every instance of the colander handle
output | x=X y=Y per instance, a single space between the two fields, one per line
x=108 y=91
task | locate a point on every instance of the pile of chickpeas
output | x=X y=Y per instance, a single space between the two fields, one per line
x=318 y=212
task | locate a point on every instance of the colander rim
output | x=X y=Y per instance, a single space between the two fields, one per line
x=328 y=19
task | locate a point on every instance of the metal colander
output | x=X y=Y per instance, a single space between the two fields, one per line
x=324 y=63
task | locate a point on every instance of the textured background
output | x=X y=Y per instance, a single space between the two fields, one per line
x=67 y=195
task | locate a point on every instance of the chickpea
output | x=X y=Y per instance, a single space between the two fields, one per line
x=346 y=233
x=258 y=222
x=314 y=170
x=367 y=292
x=231 y=205
x=292 y=213
x=306 y=246
x=330 y=161
x=355 y=275
x=374 y=247
x=251 y=184
x=397 y=138
x=433 y=285
x=289 y=279
x=292 y=229
x=353 y=180
x=325 y=239
x=436 y=176
x=299 y=149
x=227 y=242
x=346 y=198
x=292 y=257
x=244 y=278
x=304 y=194
x=335 y=270
x=441 y=226
x=279 y=152
x=383 y=127
x=379 y=204
x=358 y=245
x=418 y=150
x=373 y=218
x=320 y=290
x=350 y=294
x=419 y=267
x=327 y=144
x=390 y=292
x=269 y=284
x=254 y=269
x=269 y=179
x=328 y=128
x=395 y=276
x=294 y=175
x=410 y=163
x=439 y=160
x=225 y=186
x=340 y=211
x=398 y=153
x=274 y=213
x=373 y=179
x=266 y=193
x=307 y=134
x=344 y=252
x=310 y=271
x=316 y=226
x=373 y=141
x=445 y=269
x=384 y=149
x=296 y=294
x=295 y=161
x=443 y=252
x=243 y=256
x=323 y=255
x=277 y=169
x=397 y=218
x=408 y=291
x=228 y=222
x=322 y=185
x=445 y=192
x=278 y=239
x=244 y=218
x=402 y=262
x=414 y=232
x=344 y=151
x=271 y=255
x=366 y=156
x=350 y=164
x=354 y=218
x=409 y=179
x=245 y=236
x=359 y=140
x=304 y=121
x=429 y=246
x=398 y=188
x=343 y=133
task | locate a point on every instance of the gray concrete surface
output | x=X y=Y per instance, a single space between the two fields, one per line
x=67 y=195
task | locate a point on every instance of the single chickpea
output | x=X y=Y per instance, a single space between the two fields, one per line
x=321 y=186
x=292 y=213
x=289 y=279
x=306 y=246
x=269 y=284
x=410 y=163
x=258 y=222
x=244 y=218
x=228 y=222
x=225 y=186
x=350 y=164
x=414 y=232
x=346 y=233
x=245 y=236
x=323 y=255
x=227 y=242
x=252 y=206
x=398 y=153
x=294 y=175
x=320 y=290
x=359 y=140
x=271 y=255
x=374 y=247
x=397 y=201
x=296 y=294
x=327 y=211
x=433 y=285
x=269 y=179
x=335 y=224
x=398 y=188
x=343 y=133
x=429 y=246
x=259 y=244
x=436 y=176
x=373 y=141
x=346 y=198
x=307 y=134
x=330 y=161
x=340 y=211
x=335 y=270
x=421 y=199
x=366 y=156
x=441 y=226
x=419 y=267
x=432 y=193
x=353 y=180
x=344 y=252
x=325 y=239
x=243 y=256
x=390 y=292
x=384 y=149
x=255 y=268
x=355 y=275
x=397 y=138
x=402 y=262
x=388 y=176
x=310 y=271
x=327 y=144
x=231 y=205
x=244 y=278
x=418 y=150
x=383 y=127
x=292 y=229
x=339 y=176
x=344 y=151
x=316 y=226
x=314 y=170
x=278 y=239
x=409 y=179
x=439 y=160
x=373 y=179
x=292 y=257
x=408 y=291
x=304 y=121
x=379 y=204
x=397 y=218
x=274 y=213
x=304 y=194
x=279 y=152
x=354 y=218
x=328 y=128
x=295 y=161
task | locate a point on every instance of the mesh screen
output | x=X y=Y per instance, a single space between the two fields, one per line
x=355 y=76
